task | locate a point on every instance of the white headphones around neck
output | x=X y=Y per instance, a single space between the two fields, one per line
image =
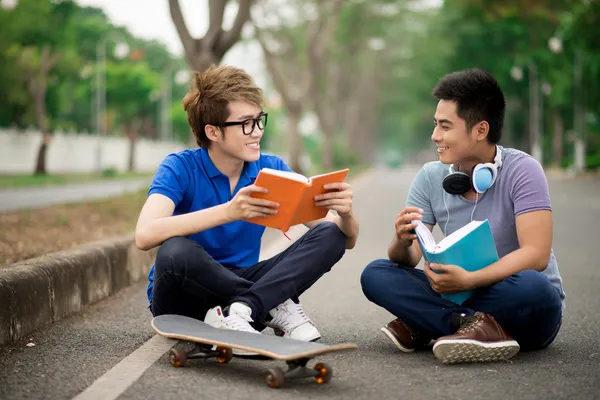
x=483 y=176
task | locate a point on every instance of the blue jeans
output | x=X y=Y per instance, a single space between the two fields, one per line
x=527 y=305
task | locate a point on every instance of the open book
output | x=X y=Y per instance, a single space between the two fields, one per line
x=295 y=194
x=471 y=247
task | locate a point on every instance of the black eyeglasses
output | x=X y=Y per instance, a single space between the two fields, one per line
x=249 y=124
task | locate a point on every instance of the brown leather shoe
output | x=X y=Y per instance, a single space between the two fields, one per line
x=405 y=339
x=480 y=338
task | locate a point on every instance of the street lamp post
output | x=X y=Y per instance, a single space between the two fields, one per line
x=535 y=114
x=166 y=120
x=121 y=51
x=555 y=45
x=534 y=108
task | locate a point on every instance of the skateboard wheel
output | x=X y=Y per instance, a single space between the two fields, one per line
x=274 y=377
x=177 y=357
x=325 y=373
x=225 y=355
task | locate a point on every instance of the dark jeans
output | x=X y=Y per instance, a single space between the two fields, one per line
x=525 y=304
x=188 y=281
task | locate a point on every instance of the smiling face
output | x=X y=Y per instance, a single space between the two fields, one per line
x=231 y=140
x=455 y=142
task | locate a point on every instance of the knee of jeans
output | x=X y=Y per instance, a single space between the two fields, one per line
x=537 y=290
x=332 y=235
x=170 y=250
x=374 y=277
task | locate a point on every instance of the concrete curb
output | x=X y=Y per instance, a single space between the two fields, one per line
x=40 y=291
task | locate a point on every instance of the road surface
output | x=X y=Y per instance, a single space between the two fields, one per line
x=110 y=351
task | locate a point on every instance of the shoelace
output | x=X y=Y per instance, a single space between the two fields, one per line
x=239 y=322
x=295 y=311
x=469 y=323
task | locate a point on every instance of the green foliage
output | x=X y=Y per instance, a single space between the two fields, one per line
x=496 y=36
x=76 y=34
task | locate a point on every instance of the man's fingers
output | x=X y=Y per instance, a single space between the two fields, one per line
x=412 y=210
x=261 y=211
x=332 y=203
x=334 y=195
x=336 y=186
x=407 y=218
x=254 y=189
x=262 y=202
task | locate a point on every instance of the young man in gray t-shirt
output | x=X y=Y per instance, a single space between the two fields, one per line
x=518 y=301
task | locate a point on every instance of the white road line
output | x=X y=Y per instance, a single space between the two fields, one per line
x=118 y=379
x=113 y=383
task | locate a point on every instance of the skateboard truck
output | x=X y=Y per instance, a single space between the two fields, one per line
x=297 y=369
x=178 y=357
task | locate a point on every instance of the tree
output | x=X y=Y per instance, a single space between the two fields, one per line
x=130 y=88
x=37 y=66
x=203 y=52
x=36 y=56
x=286 y=44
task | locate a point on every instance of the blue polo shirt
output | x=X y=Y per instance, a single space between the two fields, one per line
x=191 y=180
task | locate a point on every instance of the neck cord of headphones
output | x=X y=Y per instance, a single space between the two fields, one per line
x=448 y=211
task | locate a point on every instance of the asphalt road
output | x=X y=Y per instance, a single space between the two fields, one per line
x=70 y=355
x=43 y=196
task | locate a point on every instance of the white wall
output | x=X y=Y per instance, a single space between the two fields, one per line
x=71 y=152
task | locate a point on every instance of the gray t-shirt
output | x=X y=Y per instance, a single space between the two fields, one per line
x=520 y=187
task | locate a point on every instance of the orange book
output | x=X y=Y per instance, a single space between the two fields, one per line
x=295 y=194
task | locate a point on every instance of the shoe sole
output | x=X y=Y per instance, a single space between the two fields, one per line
x=280 y=333
x=391 y=336
x=469 y=351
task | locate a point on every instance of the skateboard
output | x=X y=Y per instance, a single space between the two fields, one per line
x=295 y=353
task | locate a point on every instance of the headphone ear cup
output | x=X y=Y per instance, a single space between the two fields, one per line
x=457 y=183
x=484 y=176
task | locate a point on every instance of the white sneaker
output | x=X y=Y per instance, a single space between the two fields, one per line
x=289 y=320
x=238 y=319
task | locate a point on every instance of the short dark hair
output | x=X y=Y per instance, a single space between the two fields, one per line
x=478 y=98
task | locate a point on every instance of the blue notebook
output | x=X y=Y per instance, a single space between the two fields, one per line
x=471 y=247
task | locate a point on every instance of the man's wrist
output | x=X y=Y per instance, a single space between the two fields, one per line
x=474 y=280
x=346 y=216
x=404 y=243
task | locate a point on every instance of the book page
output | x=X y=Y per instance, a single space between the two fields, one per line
x=455 y=236
x=425 y=236
x=286 y=174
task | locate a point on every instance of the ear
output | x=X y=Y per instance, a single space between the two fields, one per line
x=481 y=130
x=212 y=133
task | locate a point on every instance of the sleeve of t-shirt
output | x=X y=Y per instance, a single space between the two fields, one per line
x=529 y=188
x=171 y=179
x=419 y=196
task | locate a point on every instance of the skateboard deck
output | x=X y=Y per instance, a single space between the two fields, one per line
x=295 y=352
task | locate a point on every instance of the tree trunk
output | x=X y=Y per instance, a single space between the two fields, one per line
x=210 y=49
x=40 y=165
x=202 y=61
x=132 y=135
x=295 y=148
x=557 y=139
x=204 y=52
x=40 y=116
x=37 y=84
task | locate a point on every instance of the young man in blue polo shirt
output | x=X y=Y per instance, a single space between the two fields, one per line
x=207 y=265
